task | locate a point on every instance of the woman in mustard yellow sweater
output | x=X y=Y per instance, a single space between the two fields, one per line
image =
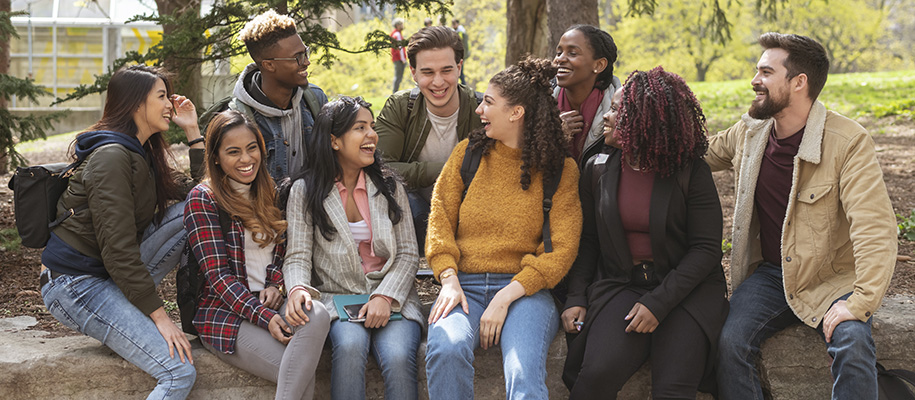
x=486 y=247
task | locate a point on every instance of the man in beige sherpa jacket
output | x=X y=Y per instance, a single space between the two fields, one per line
x=814 y=237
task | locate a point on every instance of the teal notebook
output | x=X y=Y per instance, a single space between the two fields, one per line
x=348 y=306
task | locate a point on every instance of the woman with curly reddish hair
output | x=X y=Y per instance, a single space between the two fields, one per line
x=647 y=283
x=487 y=247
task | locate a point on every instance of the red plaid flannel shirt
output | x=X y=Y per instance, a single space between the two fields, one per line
x=226 y=300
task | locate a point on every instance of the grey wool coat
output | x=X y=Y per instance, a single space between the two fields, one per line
x=331 y=267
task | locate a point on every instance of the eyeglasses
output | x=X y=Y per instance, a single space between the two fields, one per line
x=299 y=58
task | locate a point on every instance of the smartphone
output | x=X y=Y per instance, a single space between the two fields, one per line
x=352 y=312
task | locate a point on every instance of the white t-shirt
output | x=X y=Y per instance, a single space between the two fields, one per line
x=442 y=138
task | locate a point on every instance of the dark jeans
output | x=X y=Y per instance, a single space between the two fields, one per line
x=758 y=311
x=678 y=350
x=419 y=206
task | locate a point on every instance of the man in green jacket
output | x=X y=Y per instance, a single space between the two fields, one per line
x=814 y=236
x=418 y=128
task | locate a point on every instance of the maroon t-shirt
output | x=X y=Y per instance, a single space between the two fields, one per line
x=634 y=197
x=772 y=190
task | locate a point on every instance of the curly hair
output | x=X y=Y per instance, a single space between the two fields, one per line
x=544 y=146
x=660 y=122
x=262 y=32
x=259 y=213
x=322 y=168
x=603 y=46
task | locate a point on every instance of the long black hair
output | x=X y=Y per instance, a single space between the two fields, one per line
x=322 y=169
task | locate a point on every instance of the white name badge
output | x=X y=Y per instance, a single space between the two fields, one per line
x=601 y=159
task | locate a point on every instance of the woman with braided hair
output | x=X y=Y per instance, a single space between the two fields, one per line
x=487 y=247
x=584 y=85
x=647 y=283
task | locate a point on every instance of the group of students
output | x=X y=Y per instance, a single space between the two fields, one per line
x=630 y=235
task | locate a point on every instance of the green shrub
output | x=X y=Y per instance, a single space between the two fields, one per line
x=9 y=239
x=906 y=227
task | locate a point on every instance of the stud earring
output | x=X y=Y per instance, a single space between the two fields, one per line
x=595 y=71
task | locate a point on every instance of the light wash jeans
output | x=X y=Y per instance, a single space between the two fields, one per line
x=394 y=347
x=96 y=307
x=529 y=328
x=161 y=246
x=758 y=311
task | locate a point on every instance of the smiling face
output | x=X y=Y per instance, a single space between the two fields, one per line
x=239 y=154
x=437 y=74
x=611 y=138
x=154 y=113
x=501 y=121
x=575 y=60
x=287 y=72
x=771 y=85
x=356 y=148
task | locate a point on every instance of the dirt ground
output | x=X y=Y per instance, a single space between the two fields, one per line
x=895 y=151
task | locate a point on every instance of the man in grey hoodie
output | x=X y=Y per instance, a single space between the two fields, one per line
x=275 y=92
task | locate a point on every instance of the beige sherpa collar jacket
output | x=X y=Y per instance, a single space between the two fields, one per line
x=839 y=233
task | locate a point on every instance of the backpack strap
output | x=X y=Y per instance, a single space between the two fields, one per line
x=469 y=167
x=65 y=174
x=311 y=100
x=549 y=189
x=414 y=94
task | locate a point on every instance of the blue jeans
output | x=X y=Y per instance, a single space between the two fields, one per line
x=394 y=348
x=161 y=246
x=529 y=328
x=758 y=311
x=96 y=307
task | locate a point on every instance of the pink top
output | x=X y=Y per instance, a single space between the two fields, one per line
x=370 y=262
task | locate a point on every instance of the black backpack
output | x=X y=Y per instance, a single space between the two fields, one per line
x=893 y=384
x=36 y=191
x=469 y=168
x=189 y=279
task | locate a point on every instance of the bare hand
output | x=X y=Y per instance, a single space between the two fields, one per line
x=837 y=314
x=450 y=296
x=572 y=123
x=185 y=112
x=376 y=312
x=172 y=335
x=295 y=313
x=572 y=315
x=277 y=327
x=642 y=320
x=271 y=297
x=492 y=321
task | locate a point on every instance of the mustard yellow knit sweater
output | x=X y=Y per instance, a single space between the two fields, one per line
x=501 y=225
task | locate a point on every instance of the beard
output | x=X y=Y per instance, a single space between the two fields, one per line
x=768 y=107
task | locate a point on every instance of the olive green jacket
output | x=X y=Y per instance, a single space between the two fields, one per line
x=402 y=134
x=839 y=233
x=120 y=188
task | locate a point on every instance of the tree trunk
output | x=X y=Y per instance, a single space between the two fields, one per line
x=185 y=70
x=535 y=26
x=4 y=70
x=565 y=13
x=526 y=29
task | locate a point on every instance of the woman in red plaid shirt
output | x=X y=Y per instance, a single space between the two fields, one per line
x=240 y=315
